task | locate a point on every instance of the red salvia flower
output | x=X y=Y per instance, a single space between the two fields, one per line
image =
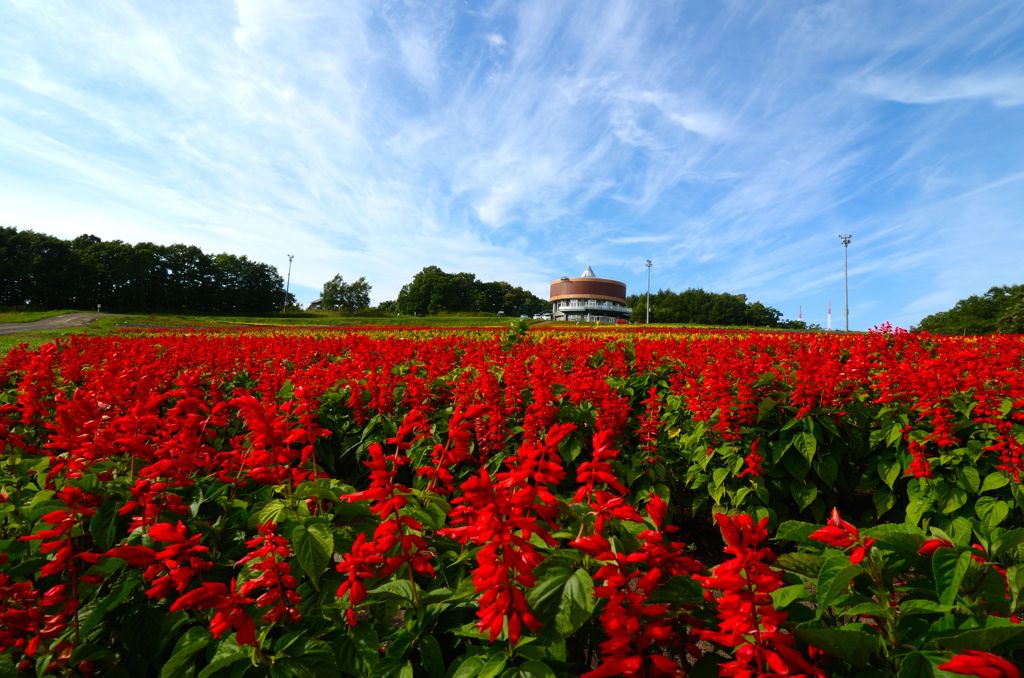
x=840 y=534
x=753 y=461
x=981 y=664
x=750 y=628
x=930 y=546
x=268 y=559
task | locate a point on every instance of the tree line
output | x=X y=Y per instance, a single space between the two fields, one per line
x=434 y=291
x=1001 y=309
x=699 y=307
x=43 y=271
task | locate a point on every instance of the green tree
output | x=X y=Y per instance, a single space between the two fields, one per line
x=759 y=315
x=701 y=307
x=47 y=272
x=977 y=314
x=434 y=291
x=1011 y=321
x=339 y=295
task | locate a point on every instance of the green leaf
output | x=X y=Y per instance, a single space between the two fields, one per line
x=994 y=481
x=806 y=444
x=740 y=495
x=827 y=468
x=577 y=603
x=796 y=530
x=228 y=653
x=678 y=589
x=899 y=537
x=871 y=608
x=494 y=665
x=960 y=531
x=915 y=665
x=469 y=667
x=883 y=500
x=275 y=510
x=358 y=650
x=783 y=597
x=952 y=499
x=923 y=606
x=853 y=647
x=980 y=639
x=103 y=525
x=719 y=476
x=400 y=589
x=796 y=466
x=916 y=510
x=431 y=657
x=895 y=434
x=949 y=568
x=286 y=391
x=992 y=511
x=313 y=544
x=310 y=657
x=530 y=669
x=141 y=632
x=1008 y=544
x=804 y=493
x=7 y=667
x=38 y=508
x=969 y=479
x=889 y=470
x=836 y=574
x=805 y=564
x=94 y=612
x=190 y=643
x=1015 y=580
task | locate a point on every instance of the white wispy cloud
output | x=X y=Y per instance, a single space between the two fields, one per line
x=1001 y=89
x=522 y=141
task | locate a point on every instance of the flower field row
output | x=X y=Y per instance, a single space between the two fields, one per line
x=478 y=503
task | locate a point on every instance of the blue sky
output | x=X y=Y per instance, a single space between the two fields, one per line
x=729 y=142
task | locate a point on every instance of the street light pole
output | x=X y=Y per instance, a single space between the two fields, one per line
x=648 y=264
x=845 y=239
x=287 y=284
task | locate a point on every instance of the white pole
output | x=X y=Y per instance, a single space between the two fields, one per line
x=845 y=239
x=648 y=264
x=287 y=284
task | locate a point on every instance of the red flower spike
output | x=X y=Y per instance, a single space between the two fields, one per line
x=930 y=546
x=838 y=533
x=749 y=627
x=268 y=560
x=981 y=664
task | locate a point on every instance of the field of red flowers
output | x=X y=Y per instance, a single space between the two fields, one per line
x=466 y=503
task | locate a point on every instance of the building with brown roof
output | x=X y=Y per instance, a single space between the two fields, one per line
x=589 y=299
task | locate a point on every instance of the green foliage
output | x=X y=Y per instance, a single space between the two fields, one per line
x=704 y=308
x=434 y=291
x=339 y=295
x=913 y=598
x=1000 y=309
x=42 y=271
x=1011 y=320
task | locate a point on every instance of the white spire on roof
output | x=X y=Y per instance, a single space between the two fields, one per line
x=588 y=273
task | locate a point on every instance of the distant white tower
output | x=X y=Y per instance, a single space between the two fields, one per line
x=829 y=314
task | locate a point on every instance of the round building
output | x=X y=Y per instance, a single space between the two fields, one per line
x=589 y=299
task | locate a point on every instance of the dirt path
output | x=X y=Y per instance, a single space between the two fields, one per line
x=52 y=323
